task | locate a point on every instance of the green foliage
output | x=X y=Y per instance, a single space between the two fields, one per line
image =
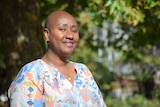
x=138 y=19
x=134 y=101
x=47 y=7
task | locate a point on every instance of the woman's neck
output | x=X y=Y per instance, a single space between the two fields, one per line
x=53 y=59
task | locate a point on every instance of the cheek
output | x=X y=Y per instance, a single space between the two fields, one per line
x=77 y=38
x=55 y=34
x=56 y=38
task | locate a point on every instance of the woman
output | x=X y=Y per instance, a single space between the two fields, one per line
x=53 y=81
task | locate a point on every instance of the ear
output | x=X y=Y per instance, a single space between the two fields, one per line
x=46 y=34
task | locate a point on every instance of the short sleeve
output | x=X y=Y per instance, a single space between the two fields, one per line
x=27 y=89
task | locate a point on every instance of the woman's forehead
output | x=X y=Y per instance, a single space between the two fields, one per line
x=60 y=18
x=64 y=21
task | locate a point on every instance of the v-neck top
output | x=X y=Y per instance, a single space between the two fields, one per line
x=41 y=85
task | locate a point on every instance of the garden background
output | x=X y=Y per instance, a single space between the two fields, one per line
x=119 y=42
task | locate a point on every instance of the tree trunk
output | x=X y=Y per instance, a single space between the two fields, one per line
x=21 y=36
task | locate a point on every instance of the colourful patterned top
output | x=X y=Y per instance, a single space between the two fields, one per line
x=41 y=85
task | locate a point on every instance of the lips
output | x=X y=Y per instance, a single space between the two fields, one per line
x=68 y=43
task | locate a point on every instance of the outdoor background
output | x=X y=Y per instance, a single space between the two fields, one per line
x=119 y=42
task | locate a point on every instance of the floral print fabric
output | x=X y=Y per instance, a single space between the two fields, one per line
x=41 y=85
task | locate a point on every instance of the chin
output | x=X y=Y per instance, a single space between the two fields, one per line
x=67 y=53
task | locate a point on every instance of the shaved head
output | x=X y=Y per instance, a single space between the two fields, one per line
x=56 y=15
x=61 y=33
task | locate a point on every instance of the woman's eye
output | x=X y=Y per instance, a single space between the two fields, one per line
x=74 y=30
x=62 y=29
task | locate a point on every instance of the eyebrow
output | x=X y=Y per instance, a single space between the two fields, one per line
x=67 y=25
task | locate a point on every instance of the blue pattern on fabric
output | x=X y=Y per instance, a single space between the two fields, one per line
x=41 y=85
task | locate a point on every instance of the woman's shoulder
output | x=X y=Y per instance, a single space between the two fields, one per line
x=81 y=66
x=78 y=64
x=35 y=64
x=34 y=67
x=29 y=71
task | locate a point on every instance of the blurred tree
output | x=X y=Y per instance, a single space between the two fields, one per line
x=136 y=26
x=130 y=26
x=21 y=36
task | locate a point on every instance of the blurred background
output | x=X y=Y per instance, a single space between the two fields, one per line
x=119 y=42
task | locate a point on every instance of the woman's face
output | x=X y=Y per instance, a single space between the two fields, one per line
x=63 y=34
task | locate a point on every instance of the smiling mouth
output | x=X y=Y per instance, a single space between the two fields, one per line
x=68 y=44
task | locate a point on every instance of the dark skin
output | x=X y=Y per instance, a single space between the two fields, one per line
x=61 y=32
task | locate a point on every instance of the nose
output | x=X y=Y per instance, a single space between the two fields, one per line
x=69 y=35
